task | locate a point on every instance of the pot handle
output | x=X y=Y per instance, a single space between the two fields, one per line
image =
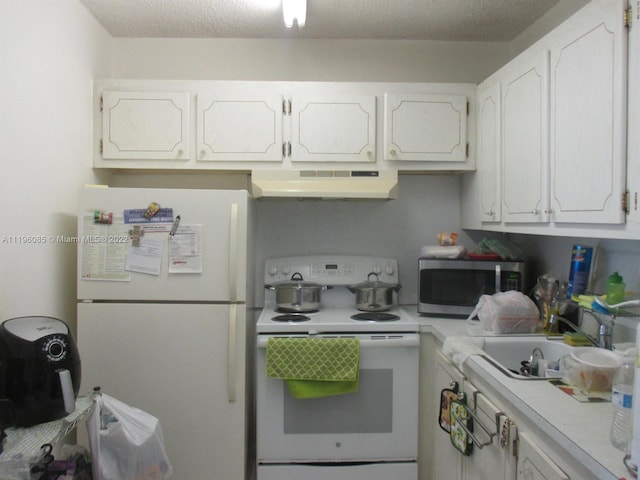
x=372 y=273
x=298 y=277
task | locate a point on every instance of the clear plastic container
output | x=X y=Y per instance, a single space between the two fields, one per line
x=622 y=404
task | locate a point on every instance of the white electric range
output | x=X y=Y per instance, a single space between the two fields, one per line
x=368 y=434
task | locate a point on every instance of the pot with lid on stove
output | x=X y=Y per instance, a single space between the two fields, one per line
x=297 y=295
x=374 y=295
x=39 y=371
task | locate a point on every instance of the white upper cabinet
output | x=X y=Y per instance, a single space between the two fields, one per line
x=525 y=186
x=425 y=127
x=145 y=125
x=489 y=151
x=333 y=128
x=633 y=145
x=239 y=127
x=588 y=111
x=564 y=164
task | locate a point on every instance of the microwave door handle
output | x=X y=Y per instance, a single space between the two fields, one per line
x=498 y=275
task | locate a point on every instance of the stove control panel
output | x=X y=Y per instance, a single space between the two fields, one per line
x=332 y=269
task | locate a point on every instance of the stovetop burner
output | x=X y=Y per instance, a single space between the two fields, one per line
x=291 y=317
x=376 y=317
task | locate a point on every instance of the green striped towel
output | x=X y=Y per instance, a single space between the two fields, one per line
x=315 y=367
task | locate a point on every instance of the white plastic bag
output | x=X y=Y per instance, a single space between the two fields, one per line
x=506 y=312
x=126 y=443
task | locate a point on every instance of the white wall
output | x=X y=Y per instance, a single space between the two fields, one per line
x=50 y=51
x=302 y=60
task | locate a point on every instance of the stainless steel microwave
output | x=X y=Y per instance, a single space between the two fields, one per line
x=452 y=287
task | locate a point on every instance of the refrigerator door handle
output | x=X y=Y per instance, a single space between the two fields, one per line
x=233 y=253
x=232 y=365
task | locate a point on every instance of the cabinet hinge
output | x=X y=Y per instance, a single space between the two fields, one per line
x=468 y=108
x=467 y=150
x=635 y=201
x=516 y=446
x=286 y=107
x=626 y=17
x=100 y=146
x=286 y=149
x=101 y=103
x=626 y=201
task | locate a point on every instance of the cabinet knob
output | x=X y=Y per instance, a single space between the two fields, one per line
x=548 y=211
x=203 y=154
x=392 y=152
x=369 y=154
x=180 y=153
x=535 y=212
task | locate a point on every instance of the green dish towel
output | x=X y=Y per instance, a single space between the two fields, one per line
x=315 y=367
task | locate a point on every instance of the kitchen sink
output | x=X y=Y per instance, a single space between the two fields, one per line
x=519 y=356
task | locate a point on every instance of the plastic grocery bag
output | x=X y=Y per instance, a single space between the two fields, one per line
x=126 y=443
x=506 y=312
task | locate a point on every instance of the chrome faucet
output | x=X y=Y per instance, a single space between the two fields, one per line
x=605 y=331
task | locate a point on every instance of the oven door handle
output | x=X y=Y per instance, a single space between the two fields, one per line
x=373 y=342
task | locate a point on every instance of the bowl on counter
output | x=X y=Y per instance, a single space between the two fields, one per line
x=590 y=368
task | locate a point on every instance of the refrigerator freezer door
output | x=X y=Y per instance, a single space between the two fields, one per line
x=222 y=216
x=172 y=361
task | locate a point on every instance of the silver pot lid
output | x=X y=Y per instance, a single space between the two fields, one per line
x=297 y=282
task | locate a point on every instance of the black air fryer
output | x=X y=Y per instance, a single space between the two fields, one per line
x=39 y=371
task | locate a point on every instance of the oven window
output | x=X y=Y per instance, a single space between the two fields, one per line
x=369 y=410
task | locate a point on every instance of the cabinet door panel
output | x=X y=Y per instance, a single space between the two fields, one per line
x=524 y=148
x=239 y=128
x=333 y=129
x=425 y=127
x=633 y=145
x=494 y=461
x=587 y=116
x=145 y=125
x=489 y=152
x=534 y=464
x=448 y=461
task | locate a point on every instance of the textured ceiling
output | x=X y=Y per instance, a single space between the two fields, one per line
x=455 y=20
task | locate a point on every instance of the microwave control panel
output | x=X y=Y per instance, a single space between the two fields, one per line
x=511 y=281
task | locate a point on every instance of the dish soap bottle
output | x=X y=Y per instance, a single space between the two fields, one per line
x=615 y=289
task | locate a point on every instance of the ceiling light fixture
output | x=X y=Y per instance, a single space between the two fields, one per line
x=294 y=10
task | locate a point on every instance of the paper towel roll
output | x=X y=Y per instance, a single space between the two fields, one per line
x=67 y=390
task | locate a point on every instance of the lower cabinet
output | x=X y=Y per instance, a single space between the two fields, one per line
x=534 y=464
x=494 y=438
x=504 y=446
x=447 y=461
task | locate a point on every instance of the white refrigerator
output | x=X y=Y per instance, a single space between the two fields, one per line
x=162 y=318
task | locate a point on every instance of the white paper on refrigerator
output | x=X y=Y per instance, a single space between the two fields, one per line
x=185 y=250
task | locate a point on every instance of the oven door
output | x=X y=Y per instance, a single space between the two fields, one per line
x=379 y=422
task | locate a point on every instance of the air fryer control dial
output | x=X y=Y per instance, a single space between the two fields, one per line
x=55 y=348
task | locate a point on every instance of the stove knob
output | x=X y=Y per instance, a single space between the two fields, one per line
x=377 y=269
x=389 y=270
x=286 y=269
x=273 y=270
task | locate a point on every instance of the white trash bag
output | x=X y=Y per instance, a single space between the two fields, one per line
x=126 y=443
x=506 y=313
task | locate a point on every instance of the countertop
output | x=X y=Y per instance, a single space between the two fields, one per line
x=582 y=428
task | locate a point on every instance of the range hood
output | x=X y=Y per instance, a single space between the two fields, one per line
x=325 y=184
